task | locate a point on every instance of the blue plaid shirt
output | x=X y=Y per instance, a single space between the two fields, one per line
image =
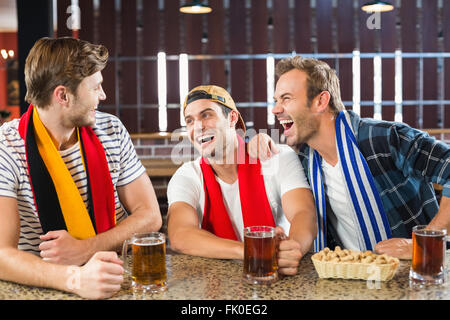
x=404 y=162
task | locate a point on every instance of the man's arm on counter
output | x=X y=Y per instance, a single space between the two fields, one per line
x=298 y=206
x=187 y=237
x=99 y=278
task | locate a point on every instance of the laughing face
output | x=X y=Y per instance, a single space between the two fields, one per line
x=208 y=129
x=292 y=109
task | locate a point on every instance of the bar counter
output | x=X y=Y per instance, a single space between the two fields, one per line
x=195 y=278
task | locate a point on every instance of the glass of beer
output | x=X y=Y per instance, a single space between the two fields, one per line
x=260 y=255
x=428 y=260
x=148 y=261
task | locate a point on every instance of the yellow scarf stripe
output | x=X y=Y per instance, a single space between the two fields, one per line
x=76 y=216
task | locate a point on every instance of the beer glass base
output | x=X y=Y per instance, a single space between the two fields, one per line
x=260 y=280
x=418 y=281
x=140 y=288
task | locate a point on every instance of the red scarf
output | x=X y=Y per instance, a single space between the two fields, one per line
x=100 y=186
x=255 y=206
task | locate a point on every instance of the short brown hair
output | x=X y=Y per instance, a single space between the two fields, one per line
x=62 y=61
x=321 y=77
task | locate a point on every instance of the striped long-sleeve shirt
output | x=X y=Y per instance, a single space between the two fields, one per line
x=123 y=164
x=404 y=162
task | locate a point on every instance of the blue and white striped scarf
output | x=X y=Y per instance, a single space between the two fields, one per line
x=366 y=201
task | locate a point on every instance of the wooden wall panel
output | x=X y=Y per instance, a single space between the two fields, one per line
x=259 y=39
x=62 y=16
x=193 y=33
x=280 y=14
x=446 y=34
x=150 y=96
x=429 y=44
x=345 y=34
x=173 y=94
x=280 y=27
x=129 y=116
x=302 y=20
x=193 y=42
x=173 y=119
x=324 y=12
x=217 y=73
x=128 y=48
x=128 y=69
x=86 y=20
x=216 y=43
x=152 y=31
x=107 y=37
x=408 y=20
x=388 y=44
x=172 y=47
x=346 y=44
x=128 y=39
x=127 y=81
x=239 y=68
x=367 y=39
x=107 y=30
x=172 y=19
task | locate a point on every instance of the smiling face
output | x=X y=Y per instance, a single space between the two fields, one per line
x=292 y=108
x=84 y=103
x=209 y=130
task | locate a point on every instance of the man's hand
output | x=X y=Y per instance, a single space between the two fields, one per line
x=289 y=254
x=262 y=147
x=396 y=247
x=61 y=248
x=99 y=278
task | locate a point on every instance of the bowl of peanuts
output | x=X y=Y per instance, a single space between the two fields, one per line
x=352 y=264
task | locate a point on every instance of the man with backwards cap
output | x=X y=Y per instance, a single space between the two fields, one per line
x=212 y=198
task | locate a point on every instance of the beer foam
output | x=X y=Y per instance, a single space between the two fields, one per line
x=260 y=234
x=429 y=233
x=147 y=241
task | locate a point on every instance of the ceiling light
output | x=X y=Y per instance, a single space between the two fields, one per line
x=195 y=7
x=377 y=6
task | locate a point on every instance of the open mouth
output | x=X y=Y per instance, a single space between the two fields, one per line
x=287 y=124
x=204 y=140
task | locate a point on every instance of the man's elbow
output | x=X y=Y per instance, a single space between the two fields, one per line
x=151 y=221
x=7 y=254
x=155 y=222
x=176 y=245
x=178 y=242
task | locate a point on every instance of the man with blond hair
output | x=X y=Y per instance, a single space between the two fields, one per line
x=69 y=178
x=372 y=180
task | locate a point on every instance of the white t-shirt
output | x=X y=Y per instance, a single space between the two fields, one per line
x=343 y=219
x=282 y=173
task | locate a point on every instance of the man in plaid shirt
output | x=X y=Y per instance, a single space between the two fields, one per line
x=372 y=180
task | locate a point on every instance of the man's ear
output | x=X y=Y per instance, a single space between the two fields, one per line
x=233 y=116
x=60 y=94
x=321 y=101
